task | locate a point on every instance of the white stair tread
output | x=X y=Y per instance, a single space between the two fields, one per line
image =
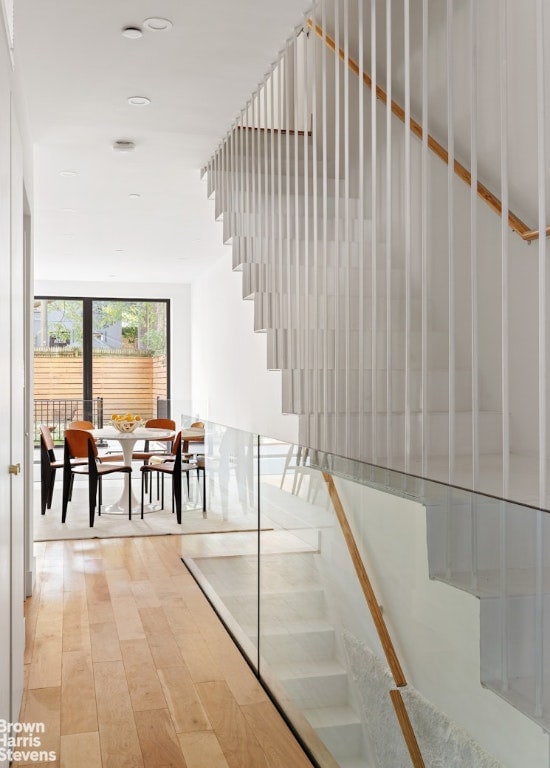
x=301 y=627
x=328 y=717
x=353 y=762
x=313 y=669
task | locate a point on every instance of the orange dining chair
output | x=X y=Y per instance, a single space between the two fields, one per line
x=80 y=425
x=171 y=466
x=88 y=425
x=199 y=439
x=80 y=444
x=147 y=453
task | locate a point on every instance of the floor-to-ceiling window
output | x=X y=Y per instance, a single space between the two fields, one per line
x=95 y=357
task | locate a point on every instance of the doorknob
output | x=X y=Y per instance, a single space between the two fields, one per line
x=14 y=469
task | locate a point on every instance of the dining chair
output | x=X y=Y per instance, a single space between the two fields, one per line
x=171 y=466
x=80 y=444
x=48 y=466
x=88 y=425
x=147 y=453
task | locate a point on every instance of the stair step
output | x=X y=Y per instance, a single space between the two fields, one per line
x=300 y=644
x=340 y=730
x=309 y=682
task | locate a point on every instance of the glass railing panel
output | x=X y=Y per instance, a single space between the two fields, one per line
x=309 y=598
x=461 y=580
x=225 y=561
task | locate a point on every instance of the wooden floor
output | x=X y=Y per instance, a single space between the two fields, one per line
x=127 y=665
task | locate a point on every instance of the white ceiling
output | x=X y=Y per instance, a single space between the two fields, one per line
x=77 y=72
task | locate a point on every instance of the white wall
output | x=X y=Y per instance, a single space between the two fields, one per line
x=230 y=381
x=179 y=295
x=435 y=627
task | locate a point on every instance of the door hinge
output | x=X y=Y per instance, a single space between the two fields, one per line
x=14 y=469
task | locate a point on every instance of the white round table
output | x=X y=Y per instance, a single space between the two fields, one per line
x=127 y=442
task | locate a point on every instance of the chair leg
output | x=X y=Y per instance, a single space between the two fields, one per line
x=50 y=490
x=176 y=486
x=130 y=497
x=67 y=485
x=92 y=497
x=204 y=492
x=143 y=488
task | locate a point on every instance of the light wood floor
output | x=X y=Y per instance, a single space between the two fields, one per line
x=128 y=666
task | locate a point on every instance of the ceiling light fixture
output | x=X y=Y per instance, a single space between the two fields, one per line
x=132 y=33
x=68 y=210
x=139 y=101
x=156 y=24
x=134 y=195
x=124 y=145
x=67 y=173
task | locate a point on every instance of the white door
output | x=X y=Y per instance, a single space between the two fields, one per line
x=12 y=398
x=5 y=396
x=18 y=422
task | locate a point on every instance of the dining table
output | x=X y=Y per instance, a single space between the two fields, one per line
x=127 y=442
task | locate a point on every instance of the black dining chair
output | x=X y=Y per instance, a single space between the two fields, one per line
x=169 y=466
x=80 y=444
x=48 y=467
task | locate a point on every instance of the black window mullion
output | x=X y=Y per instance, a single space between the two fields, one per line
x=87 y=349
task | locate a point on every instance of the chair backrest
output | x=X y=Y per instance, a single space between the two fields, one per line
x=197 y=425
x=78 y=442
x=176 y=445
x=81 y=425
x=46 y=438
x=161 y=424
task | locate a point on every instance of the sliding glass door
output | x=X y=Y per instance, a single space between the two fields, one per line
x=95 y=357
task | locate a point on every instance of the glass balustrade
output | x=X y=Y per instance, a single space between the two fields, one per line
x=457 y=605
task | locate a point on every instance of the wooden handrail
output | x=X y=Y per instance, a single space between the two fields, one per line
x=381 y=628
x=515 y=223
x=366 y=586
x=407 y=729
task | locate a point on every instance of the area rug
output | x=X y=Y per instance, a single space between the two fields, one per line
x=49 y=527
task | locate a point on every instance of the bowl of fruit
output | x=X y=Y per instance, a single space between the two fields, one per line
x=126 y=422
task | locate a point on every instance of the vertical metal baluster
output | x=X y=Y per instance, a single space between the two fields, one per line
x=350 y=447
x=336 y=356
x=317 y=328
x=425 y=245
x=473 y=247
x=324 y=248
x=451 y=250
x=374 y=231
x=361 y=247
x=298 y=326
x=505 y=373
x=543 y=377
x=407 y=217
x=389 y=224
x=307 y=325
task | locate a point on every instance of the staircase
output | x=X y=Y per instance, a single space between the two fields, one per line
x=304 y=245
x=299 y=647
x=495 y=550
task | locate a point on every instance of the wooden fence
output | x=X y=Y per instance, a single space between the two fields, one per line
x=127 y=383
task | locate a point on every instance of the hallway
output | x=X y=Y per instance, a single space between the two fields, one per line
x=126 y=665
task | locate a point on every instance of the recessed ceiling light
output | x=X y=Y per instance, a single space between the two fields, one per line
x=119 y=250
x=68 y=210
x=133 y=33
x=156 y=24
x=124 y=145
x=134 y=195
x=139 y=101
x=67 y=173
